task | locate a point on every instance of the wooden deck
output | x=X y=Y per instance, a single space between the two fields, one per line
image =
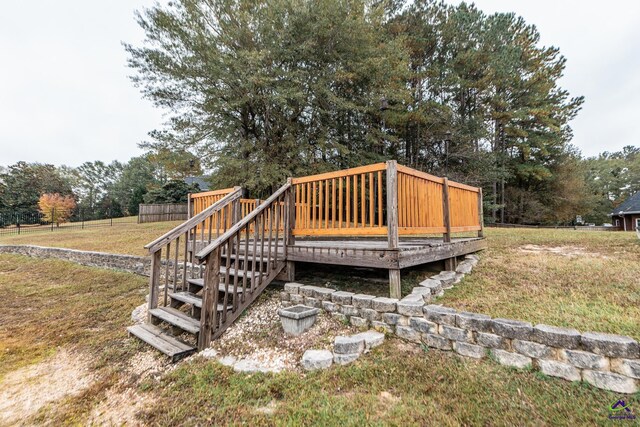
x=375 y=253
x=221 y=259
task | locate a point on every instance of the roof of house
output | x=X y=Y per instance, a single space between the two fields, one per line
x=631 y=205
x=200 y=180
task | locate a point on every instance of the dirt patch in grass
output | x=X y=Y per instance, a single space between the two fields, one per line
x=568 y=251
x=24 y=391
x=258 y=335
x=122 y=402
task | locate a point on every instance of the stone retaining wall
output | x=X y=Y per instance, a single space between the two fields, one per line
x=610 y=362
x=130 y=263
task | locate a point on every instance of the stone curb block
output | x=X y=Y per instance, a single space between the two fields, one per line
x=610 y=381
x=408 y=334
x=532 y=349
x=610 y=345
x=514 y=360
x=492 y=341
x=316 y=359
x=513 y=329
x=440 y=315
x=410 y=308
x=348 y=344
x=362 y=301
x=556 y=337
x=293 y=288
x=437 y=341
x=473 y=321
x=422 y=325
x=585 y=360
x=470 y=350
x=454 y=334
x=553 y=368
x=342 y=298
x=345 y=359
x=384 y=305
x=359 y=322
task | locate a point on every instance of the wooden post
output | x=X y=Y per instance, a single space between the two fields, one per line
x=236 y=215
x=445 y=211
x=392 y=204
x=449 y=263
x=209 y=311
x=290 y=223
x=392 y=224
x=480 y=214
x=189 y=209
x=154 y=281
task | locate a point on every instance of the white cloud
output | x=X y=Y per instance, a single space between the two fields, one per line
x=65 y=97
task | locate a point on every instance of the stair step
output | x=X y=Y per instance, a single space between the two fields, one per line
x=232 y=272
x=200 y=283
x=177 y=318
x=250 y=258
x=240 y=273
x=195 y=300
x=161 y=341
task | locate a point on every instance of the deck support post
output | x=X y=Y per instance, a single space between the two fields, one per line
x=154 y=281
x=395 y=289
x=392 y=224
x=480 y=213
x=290 y=221
x=209 y=311
x=189 y=207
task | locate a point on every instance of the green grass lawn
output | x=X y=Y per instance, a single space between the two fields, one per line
x=123 y=238
x=596 y=289
x=51 y=306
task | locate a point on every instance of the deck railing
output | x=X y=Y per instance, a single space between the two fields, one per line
x=172 y=254
x=382 y=199
x=346 y=202
x=254 y=249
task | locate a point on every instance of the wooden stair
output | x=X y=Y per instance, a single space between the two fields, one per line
x=186 y=314
x=163 y=342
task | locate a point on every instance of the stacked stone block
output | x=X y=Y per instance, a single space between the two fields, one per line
x=610 y=362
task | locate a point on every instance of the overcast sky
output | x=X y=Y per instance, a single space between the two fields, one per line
x=65 y=97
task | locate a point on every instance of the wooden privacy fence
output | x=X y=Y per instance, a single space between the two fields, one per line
x=375 y=200
x=162 y=212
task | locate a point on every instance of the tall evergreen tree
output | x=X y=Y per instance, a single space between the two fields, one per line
x=265 y=90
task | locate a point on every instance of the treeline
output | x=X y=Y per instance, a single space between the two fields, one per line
x=100 y=189
x=262 y=90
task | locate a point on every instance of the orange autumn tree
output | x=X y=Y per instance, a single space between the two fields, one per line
x=56 y=208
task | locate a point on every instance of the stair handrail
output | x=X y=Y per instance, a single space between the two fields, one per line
x=215 y=317
x=193 y=221
x=204 y=252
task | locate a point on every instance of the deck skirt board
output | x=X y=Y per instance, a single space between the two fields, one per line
x=376 y=253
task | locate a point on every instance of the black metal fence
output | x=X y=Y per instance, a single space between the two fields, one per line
x=60 y=219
